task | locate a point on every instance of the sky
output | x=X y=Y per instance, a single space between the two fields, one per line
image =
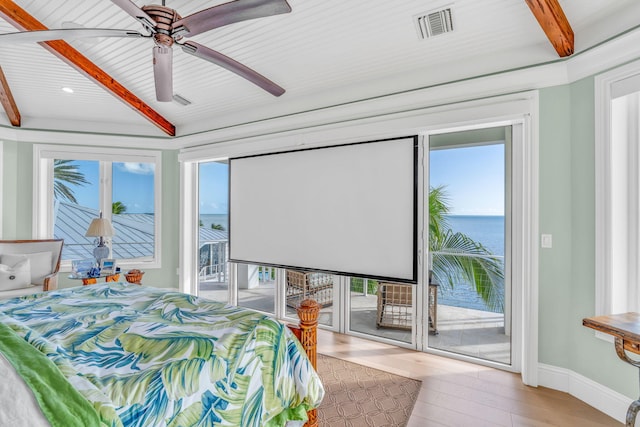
x=132 y=185
x=473 y=178
x=214 y=188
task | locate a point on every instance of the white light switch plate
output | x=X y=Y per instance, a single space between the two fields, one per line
x=546 y=240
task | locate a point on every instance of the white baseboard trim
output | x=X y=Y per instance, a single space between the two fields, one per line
x=600 y=397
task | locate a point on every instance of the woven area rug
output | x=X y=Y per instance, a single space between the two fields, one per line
x=357 y=396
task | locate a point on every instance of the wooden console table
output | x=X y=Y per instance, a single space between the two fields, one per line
x=625 y=328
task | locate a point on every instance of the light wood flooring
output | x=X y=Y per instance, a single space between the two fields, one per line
x=456 y=393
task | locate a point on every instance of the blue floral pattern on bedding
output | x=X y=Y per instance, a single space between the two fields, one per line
x=151 y=357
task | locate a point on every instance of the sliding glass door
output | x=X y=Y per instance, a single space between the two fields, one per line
x=464 y=308
x=469 y=241
x=213 y=236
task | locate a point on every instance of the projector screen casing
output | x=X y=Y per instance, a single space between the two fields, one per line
x=345 y=209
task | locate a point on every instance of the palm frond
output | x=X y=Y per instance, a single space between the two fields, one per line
x=118 y=208
x=438 y=209
x=65 y=173
x=457 y=258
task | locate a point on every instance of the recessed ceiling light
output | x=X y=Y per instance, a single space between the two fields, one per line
x=67 y=89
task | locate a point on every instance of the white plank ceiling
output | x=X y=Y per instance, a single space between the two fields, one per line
x=324 y=53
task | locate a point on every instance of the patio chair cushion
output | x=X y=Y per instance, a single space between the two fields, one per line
x=40 y=264
x=15 y=276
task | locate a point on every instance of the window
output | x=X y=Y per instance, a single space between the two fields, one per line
x=73 y=185
x=618 y=190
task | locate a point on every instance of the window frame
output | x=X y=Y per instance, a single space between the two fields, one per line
x=608 y=210
x=43 y=196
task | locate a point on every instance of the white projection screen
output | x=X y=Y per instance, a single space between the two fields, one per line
x=346 y=209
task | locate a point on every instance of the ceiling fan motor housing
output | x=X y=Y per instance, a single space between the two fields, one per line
x=164 y=17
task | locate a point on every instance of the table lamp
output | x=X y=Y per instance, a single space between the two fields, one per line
x=100 y=228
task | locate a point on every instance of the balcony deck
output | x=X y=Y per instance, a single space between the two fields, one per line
x=465 y=331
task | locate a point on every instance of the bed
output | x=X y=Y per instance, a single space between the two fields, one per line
x=119 y=354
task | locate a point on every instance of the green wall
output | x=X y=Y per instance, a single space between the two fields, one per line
x=17 y=191
x=9 y=189
x=18 y=201
x=567 y=210
x=555 y=219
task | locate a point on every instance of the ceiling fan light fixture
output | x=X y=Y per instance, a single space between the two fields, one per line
x=163 y=72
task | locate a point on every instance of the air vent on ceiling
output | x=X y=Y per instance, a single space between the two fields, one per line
x=434 y=23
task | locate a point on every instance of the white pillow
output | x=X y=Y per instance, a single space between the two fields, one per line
x=16 y=276
x=40 y=264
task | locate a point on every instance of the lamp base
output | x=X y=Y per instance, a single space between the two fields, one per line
x=100 y=252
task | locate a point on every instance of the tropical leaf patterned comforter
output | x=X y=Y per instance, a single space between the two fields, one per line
x=150 y=357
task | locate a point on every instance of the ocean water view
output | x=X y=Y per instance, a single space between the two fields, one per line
x=219 y=219
x=485 y=229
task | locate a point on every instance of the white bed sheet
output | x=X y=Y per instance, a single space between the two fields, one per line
x=18 y=406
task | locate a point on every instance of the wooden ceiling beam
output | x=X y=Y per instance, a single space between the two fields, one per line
x=23 y=21
x=7 y=101
x=554 y=23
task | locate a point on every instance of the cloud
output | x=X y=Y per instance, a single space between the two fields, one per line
x=138 y=168
x=214 y=207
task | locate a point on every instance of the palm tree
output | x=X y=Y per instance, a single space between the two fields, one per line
x=458 y=258
x=64 y=173
x=118 y=208
x=217 y=227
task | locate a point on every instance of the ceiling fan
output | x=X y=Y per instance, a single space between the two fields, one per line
x=167 y=28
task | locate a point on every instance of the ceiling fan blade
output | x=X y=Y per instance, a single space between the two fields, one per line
x=217 y=58
x=228 y=13
x=38 y=36
x=133 y=10
x=163 y=72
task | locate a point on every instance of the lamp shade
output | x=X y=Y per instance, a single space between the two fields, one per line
x=100 y=227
